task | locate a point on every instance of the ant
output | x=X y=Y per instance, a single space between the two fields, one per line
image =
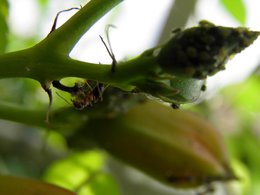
x=88 y=93
x=91 y=91
x=84 y=94
x=175 y=106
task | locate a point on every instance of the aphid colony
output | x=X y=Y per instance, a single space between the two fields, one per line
x=202 y=51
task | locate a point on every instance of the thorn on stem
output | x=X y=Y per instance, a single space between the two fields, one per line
x=109 y=48
x=57 y=16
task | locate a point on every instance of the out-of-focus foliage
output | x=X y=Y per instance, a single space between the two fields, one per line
x=243 y=185
x=244 y=96
x=236 y=8
x=245 y=146
x=236 y=111
x=3 y=24
x=12 y=90
x=245 y=141
x=43 y=2
x=83 y=173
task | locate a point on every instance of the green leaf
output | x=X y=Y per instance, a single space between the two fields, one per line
x=43 y=3
x=3 y=24
x=83 y=173
x=236 y=8
x=244 y=96
x=101 y=184
x=21 y=186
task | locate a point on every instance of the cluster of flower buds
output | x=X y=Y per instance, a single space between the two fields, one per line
x=189 y=57
x=202 y=51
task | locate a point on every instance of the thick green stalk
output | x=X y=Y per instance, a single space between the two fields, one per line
x=63 y=119
x=49 y=59
x=45 y=66
x=174 y=75
x=32 y=117
x=20 y=114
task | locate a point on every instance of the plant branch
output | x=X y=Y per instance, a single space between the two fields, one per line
x=63 y=119
x=16 y=113
x=34 y=63
x=65 y=37
x=178 y=67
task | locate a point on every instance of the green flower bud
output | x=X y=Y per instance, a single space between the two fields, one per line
x=173 y=146
x=202 y=51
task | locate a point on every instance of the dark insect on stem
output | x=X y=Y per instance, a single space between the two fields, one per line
x=203 y=88
x=90 y=93
x=109 y=48
x=57 y=16
x=83 y=94
x=176 y=30
x=175 y=106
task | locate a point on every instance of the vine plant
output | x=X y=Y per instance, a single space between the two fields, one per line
x=174 y=72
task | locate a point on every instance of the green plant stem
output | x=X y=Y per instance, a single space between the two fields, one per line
x=65 y=38
x=50 y=59
x=61 y=119
x=20 y=114
x=45 y=66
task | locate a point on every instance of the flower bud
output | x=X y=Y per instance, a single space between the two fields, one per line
x=202 y=51
x=173 y=146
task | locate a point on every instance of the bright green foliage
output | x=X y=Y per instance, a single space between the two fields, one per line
x=236 y=8
x=101 y=184
x=245 y=143
x=244 y=95
x=82 y=173
x=3 y=24
x=43 y=2
x=248 y=154
x=243 y=185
